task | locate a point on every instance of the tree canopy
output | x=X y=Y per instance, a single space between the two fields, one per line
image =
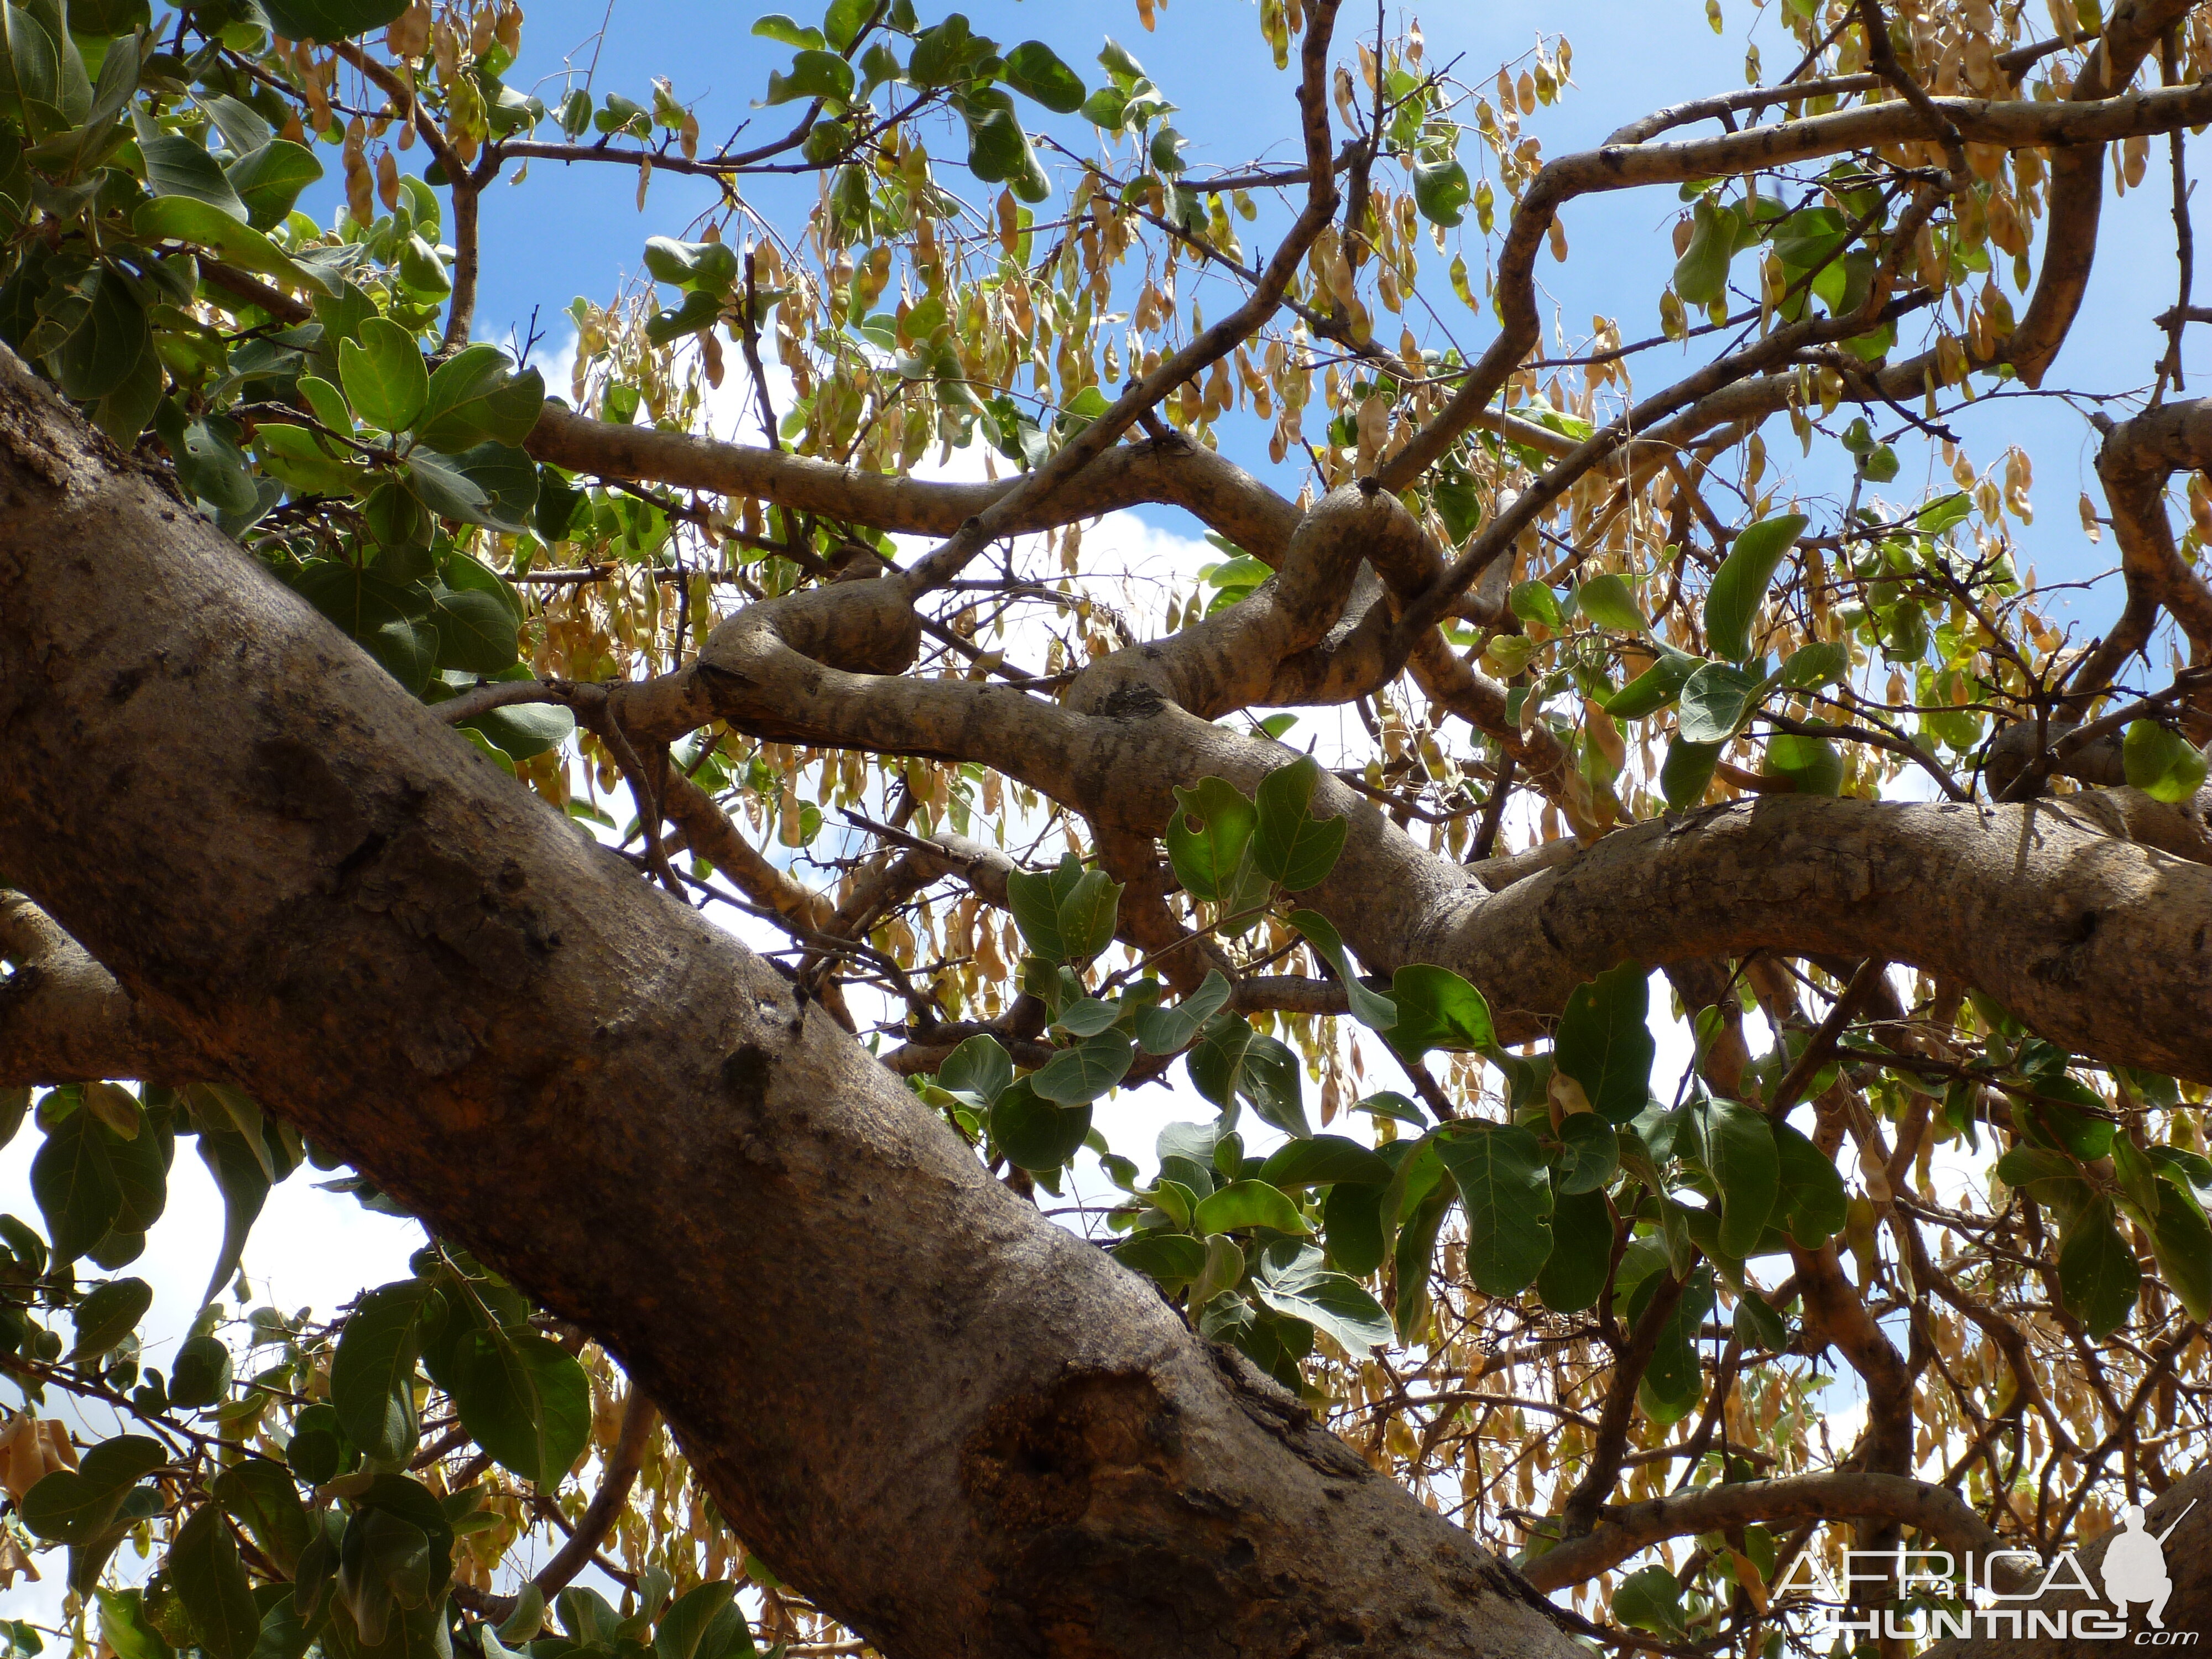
x=730 y=887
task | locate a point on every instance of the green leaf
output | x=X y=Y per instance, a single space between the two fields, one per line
x=1271 y=1077
x=1066 y=915
x=259 y=1495
x=1244 y=1205
x=1210 y=860
x=1033 y=69
x=1606 y=600
x=106 y=348
x=76 y=1506
x=1370 y=1008
x=1441 y=190
x=1590 y=1154
x=777 y=26
x=124 y=1627
x=1815 y=765
x=1034 y=1132
x=30 y=73
x=1438 y=1009
x=1083 y=1073
x=2098 y=1274
x=180 y=167
x=269 y=180
x=1323 y=1161
x=1168 y=1031
x=1172 y=1259
x=477 y=397
x=2162 y=763
x=385 y=377
x=1740 y=586
x=329 y=19
x=527 y=1401
x=1741 y=1155
x=1655 y=688
x=1757 y=1325
x=182 y=219
x=1289 y=845
x=476 y=633
x=76 y=1186
x=1944 y=512
x=1507 y=1190
x=109 y=1313
x=978 y=1071
x=1296 y=1281
x=1216 y=1063
x=1351 y=1226
x=390 y=622
x=203 y=1564
x=1686 y=772
x=372 y=1371
x=1717 y=701
x=1701 y=274
x=1812 y=667
x=814 y=74
x=1811 y=1202
x=2182 y=1242
x=1573 y=1274
x=200 y=1373
x=1650 y=1598
x=1603 y=1043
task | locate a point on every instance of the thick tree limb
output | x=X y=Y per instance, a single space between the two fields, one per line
x=859 y=1338
x=1622 y=1529
x=2135 y=461
x=64 y=1019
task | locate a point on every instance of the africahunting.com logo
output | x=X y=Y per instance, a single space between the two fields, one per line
x=2012 y=1593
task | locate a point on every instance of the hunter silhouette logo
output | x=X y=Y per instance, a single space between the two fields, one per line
x=2003 y=1598
x=2135 y=1564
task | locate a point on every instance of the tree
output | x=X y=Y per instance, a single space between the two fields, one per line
x=324 y=634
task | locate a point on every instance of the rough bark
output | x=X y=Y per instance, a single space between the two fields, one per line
x=861 y=1340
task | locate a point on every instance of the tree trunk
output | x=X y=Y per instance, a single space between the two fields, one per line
x=958 y=1427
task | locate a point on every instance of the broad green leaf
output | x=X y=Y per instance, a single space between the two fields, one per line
x=372 y=1371
x=1215 y=1063
x=477 y=396
x=1066 y=915
x=385 y=377
x=2098 y=1273
x=1688 y=771
x=1289 y=845
x=1173 y=1259
x=777 y=26
x=74 y=1184
x=390 y=622
x=1814 y=765
x=1033 y=1132
x=1352 y=1227
x=330 y=20
x=1673 y=1381
x=1271 y=1077
x=180 y=167
x=1811 y=1201
x=200 y=1373
x=1650 y=1598
x=124 y=1627
x=1205 y=858
x=1591 y=1154
x=183 y=219
x=1370 y=1008
x=1701 y=274
x=1223 y=1270
x=814 y=74
x=1603 y=1043
x=76 y=1506
x=1812 y=667
x=2182 y=1242
x=1167 y=1031
x=1244 y=1205
x=106 y=348
x=1716 y=700
x=696 y=1625
x=204 y=1564
x=1740 y=586
x=1322 y=1161
x=1944 y=512
x=1297 y=1281
x=1741 y=1155
x=525 y=1399
x=1606 y=600
x=259 y=1495
x=2162 y=763
x=1573 y=1275
x=1507 y=1191
x=269 y=180
x=1033 y=69
x=1438 y=1009
x=1441 y=190
x=476 y=633
x=1085 y=1072
x=1655 y=688
x=109 y=1313
x=1757 y=1325
x=978 y=1071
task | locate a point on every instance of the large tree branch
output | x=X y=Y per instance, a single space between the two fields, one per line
x=859 y=1338
x=64 y=1019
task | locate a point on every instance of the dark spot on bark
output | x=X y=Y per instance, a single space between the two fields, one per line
x=512 y=879
x=361 y=855
x=746 y=1075
x=124 y=686
x=1138 y=703
x=1039 y=1458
